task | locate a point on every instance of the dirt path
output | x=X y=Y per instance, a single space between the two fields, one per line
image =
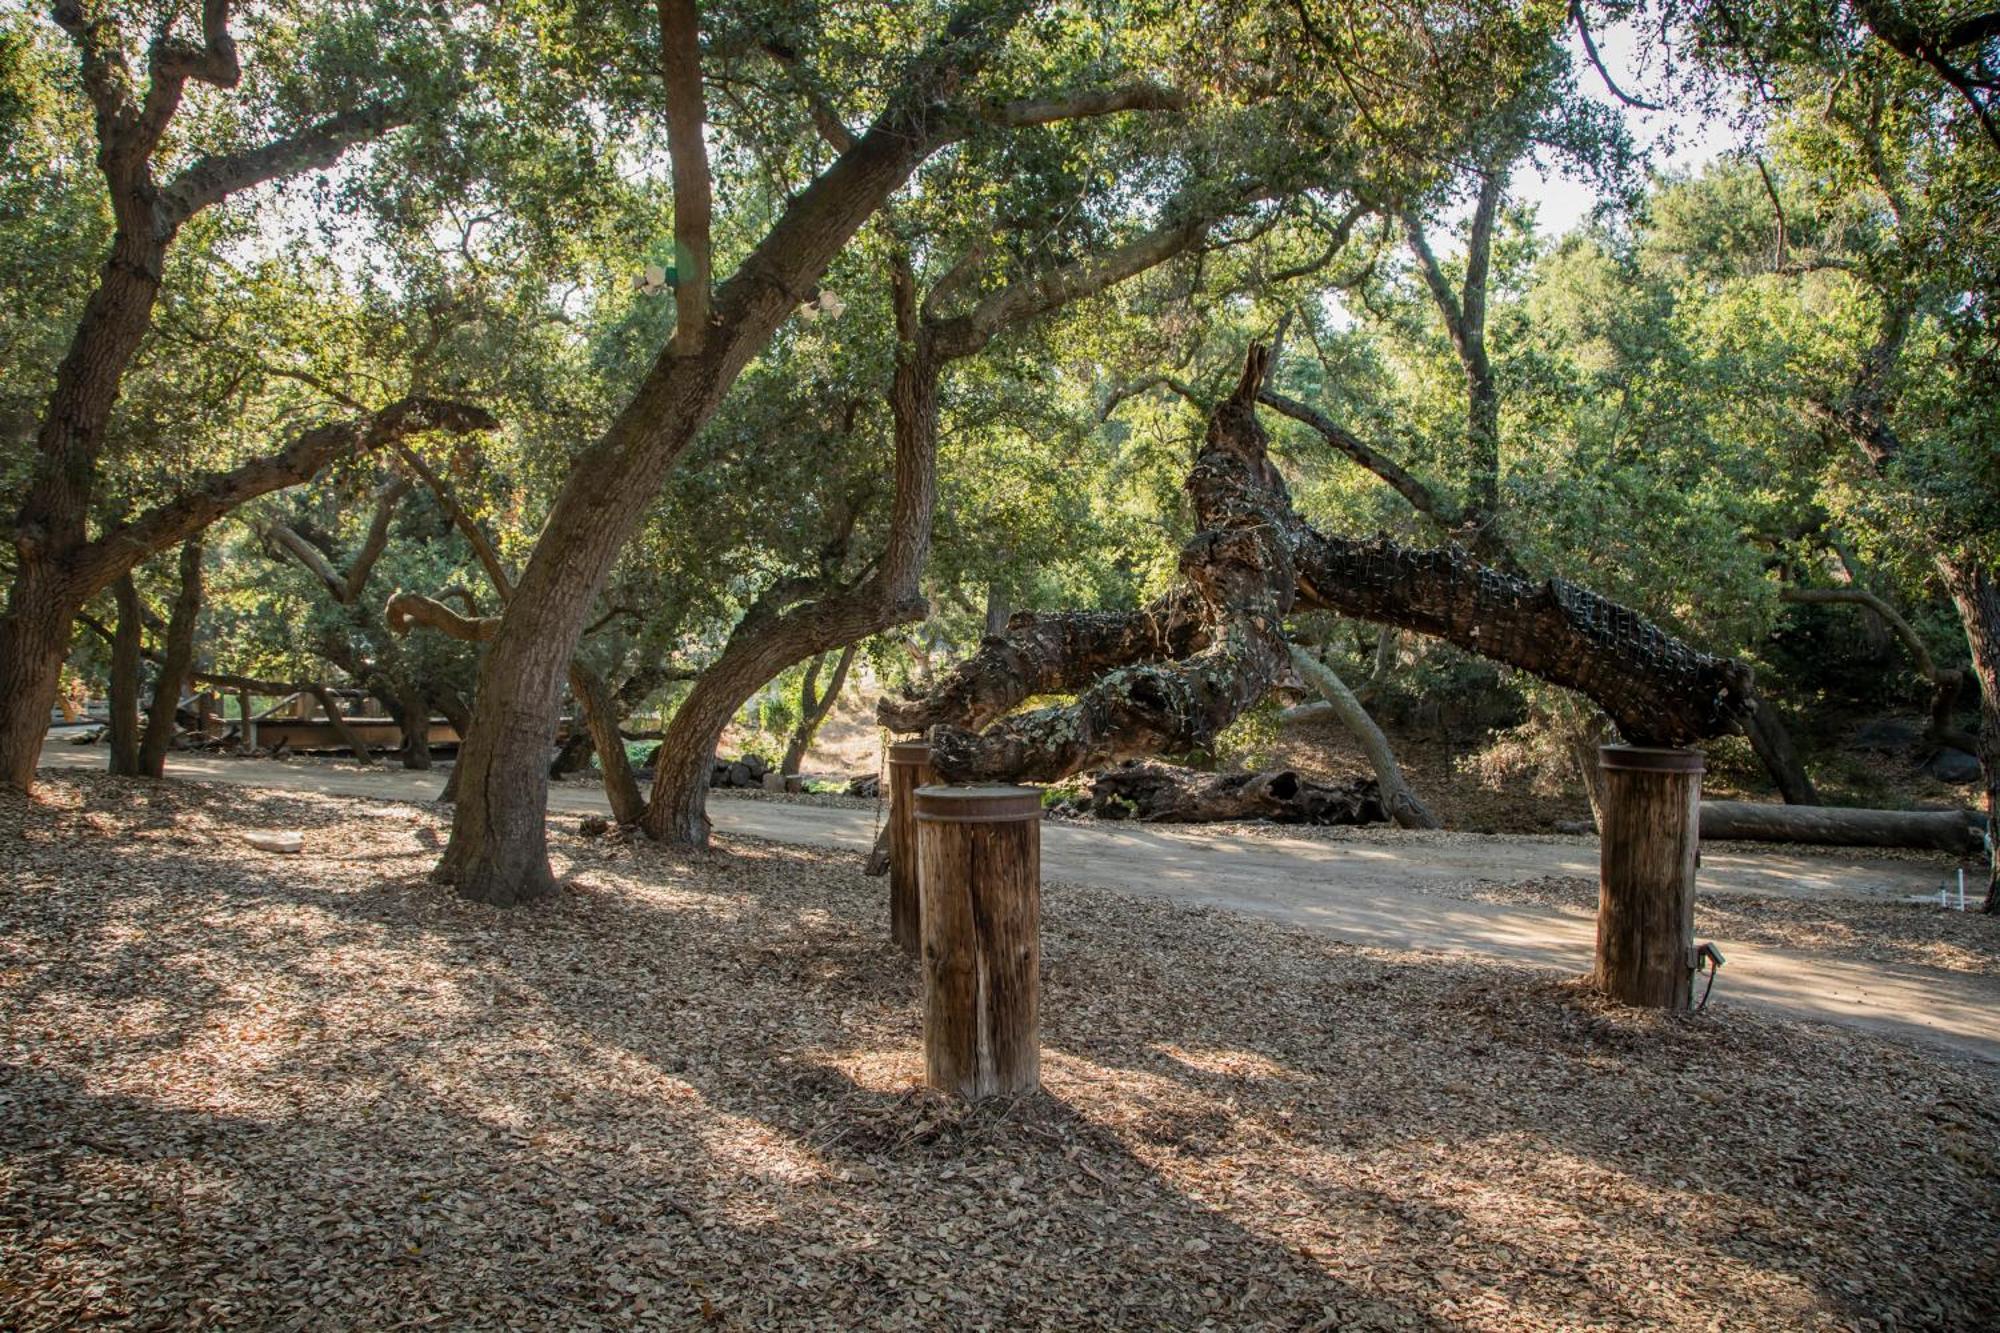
x=1363 y=892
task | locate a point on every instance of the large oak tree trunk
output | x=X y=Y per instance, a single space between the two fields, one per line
x=768 y=640
x=498 y=848
x=1252 y=562
x=44 y=598
x=34 y=638
x=175 y=664
x=127 y=647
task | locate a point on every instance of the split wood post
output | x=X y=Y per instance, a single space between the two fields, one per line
x=247 y=730
x=909 y=769
x=1649 y=848
x=979 y=862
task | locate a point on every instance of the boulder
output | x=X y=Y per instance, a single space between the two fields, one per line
x=1949 y=765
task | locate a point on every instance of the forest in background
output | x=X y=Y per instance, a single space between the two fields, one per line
x=649 y=364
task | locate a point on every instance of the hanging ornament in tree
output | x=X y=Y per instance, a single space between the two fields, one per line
x=652 y=280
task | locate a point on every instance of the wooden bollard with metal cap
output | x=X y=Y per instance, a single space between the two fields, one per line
x=1649 y=848
x=979 y=864
x=909 y=769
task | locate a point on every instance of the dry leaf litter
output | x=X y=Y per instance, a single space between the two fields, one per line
x=316 y=1091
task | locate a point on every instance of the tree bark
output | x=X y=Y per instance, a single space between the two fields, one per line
x=600 y=716
x=1975 y=592
x=1397 y=797
x=175 y=664
x=996 y=610
x=1243 y=573
x=1954 y=831
x=127 y=646
x=575 y=754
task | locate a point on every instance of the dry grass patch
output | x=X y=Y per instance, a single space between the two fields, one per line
x=315 y=1091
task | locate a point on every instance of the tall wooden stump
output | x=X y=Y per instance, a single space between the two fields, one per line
x=1645 y=899
x=979 y=853
x=909 y=769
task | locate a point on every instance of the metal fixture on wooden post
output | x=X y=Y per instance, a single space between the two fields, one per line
x=909 y=769
x=979 y=864
x=1650 y=847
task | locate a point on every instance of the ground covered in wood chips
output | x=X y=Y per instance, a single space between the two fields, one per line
x=316 y=1091
x=1872 y=930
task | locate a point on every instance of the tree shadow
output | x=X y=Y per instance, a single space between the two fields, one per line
x=687 y=1086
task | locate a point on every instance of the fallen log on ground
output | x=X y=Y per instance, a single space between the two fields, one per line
x=1748 y=821
x=1162 y=794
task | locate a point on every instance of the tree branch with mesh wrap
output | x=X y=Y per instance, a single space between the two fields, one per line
x=1169 y=678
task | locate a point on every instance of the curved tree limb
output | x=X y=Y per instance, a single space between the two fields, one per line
x=408 y=608
x=207 y=498
x=1254 y=560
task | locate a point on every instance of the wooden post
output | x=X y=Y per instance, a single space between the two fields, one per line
x=1648 y=853
x=246 y=724
x=979 y=861
x=909 y=769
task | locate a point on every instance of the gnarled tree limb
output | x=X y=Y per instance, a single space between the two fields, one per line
x=1254 y=560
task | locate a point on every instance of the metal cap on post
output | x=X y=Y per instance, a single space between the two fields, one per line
x=1648 y=851
x=909 y=769
x=979 y=867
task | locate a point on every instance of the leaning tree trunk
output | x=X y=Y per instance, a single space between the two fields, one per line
x=1397 y=797
x=1975 y=591
x=127 y=647
x=1252 y=562
x=814 y=708
x=34 y=638
x=498 y=851
x=677 y=812
x=600 y=719
x=336 y=719
x=413 y=719
x=1772 y=741
x=175 y=664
